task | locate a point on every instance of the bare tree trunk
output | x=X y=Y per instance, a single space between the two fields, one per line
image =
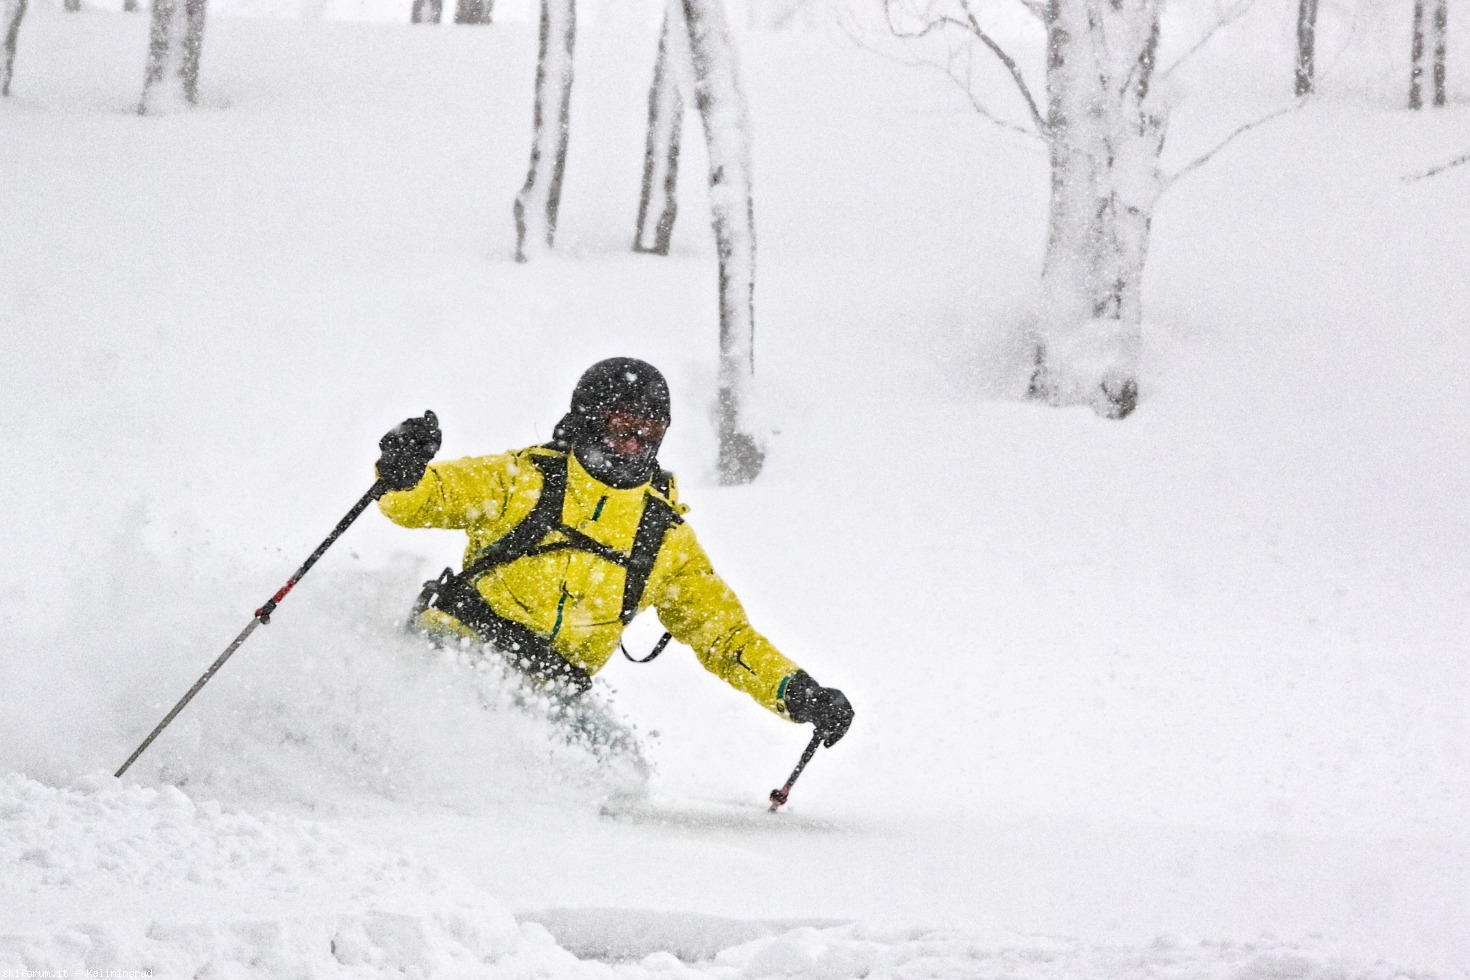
x=193 y=48
x=1416 y=57
x=426 y=12
x=661 y=151
x=473 y=11
x=1434 y=45
x=15 y=12
x=71 y=6
x=1422 y=47
x=726 y=118
x=1306 y=47
x=537 y=203
x=130 y=6
x=1105 y=135
x=175 y=43
x=1439 y=30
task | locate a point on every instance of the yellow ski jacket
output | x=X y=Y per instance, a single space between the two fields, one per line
x=573 y=597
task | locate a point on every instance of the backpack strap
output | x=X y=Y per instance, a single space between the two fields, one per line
x=529 y=536
x=658 y=517
x=658 y=648
x=526 y=537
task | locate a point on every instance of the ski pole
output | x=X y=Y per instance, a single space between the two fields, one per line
x=778 y=796
x=262 y=616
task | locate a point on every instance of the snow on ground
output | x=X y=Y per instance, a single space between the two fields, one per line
x=1182 y=696
x=95 y=855
x=304 y=900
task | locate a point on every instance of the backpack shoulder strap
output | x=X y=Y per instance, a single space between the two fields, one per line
x=526 y=537
x=544 y=517
x=658 y=517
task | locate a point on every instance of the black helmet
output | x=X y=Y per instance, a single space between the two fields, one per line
x=622 y=382
x=635 y=397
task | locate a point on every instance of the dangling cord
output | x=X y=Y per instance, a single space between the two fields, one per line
x=657 y=649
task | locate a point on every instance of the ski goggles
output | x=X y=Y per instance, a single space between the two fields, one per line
x=626 y=425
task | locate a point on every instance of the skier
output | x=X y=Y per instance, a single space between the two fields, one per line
x=570 y=540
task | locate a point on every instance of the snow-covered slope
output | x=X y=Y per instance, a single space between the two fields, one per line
x=1180 y=696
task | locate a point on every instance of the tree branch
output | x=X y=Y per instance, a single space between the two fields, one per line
x=930 y=26
x=936 y=24
x=1205 y=158
x=1229 y=17
x=1009 y=62
x=1457 y=161
x=984 y=110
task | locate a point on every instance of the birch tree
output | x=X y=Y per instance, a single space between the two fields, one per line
x=696 y=54
x=658 y=205
x=1428 y=43
x=1306 y=47
x=540 y=197
x=697 y=58
x=426 y=12
x=1104 y=126
x=176 y=38
x=1104 y=136
x=726 y=117
x=473 y=11
x=15 y=12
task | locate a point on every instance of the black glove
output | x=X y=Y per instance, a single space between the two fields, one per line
x=825 y=707
x=407 y=449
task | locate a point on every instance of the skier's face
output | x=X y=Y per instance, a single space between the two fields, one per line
x=628 y=434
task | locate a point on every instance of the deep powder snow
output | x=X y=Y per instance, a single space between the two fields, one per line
x=1179 y=697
